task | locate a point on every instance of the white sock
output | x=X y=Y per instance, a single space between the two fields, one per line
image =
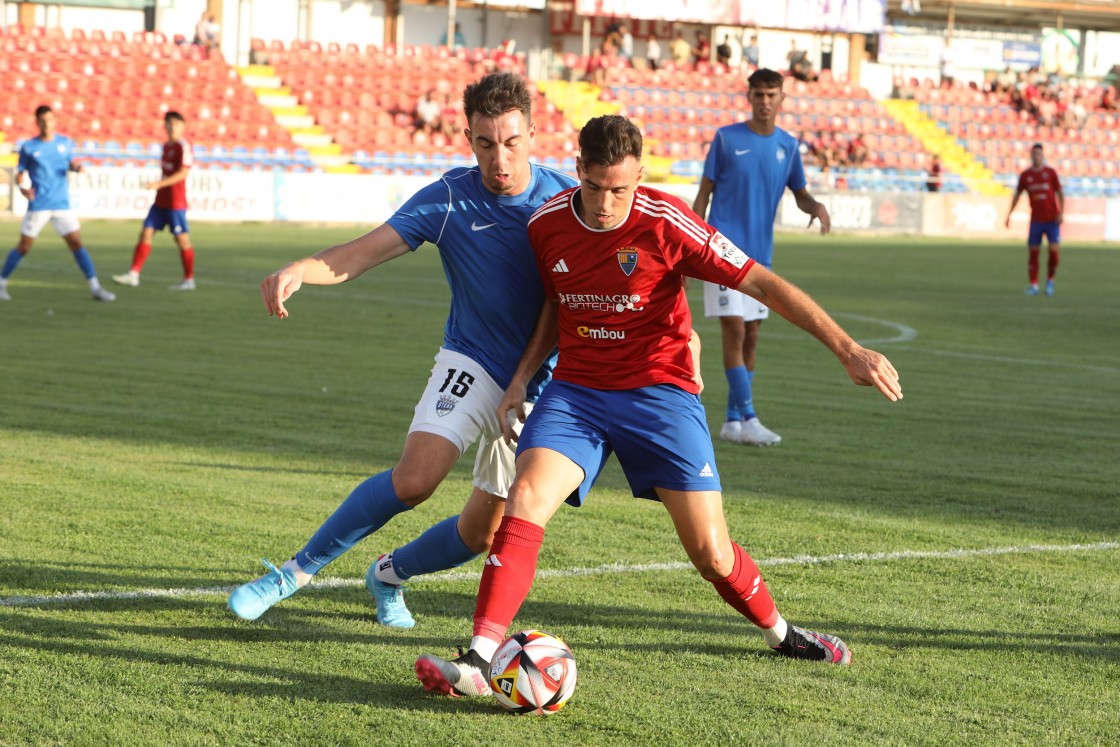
x=486 y=647
x=775 y=635
x=94 y=285
x=302 y=578
x=385 y=572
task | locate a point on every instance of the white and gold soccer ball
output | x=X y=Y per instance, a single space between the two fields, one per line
x=533 y=672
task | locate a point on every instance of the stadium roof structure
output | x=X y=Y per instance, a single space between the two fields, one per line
x=1092 y=15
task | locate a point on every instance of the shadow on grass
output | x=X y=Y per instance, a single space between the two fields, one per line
x=77 y=576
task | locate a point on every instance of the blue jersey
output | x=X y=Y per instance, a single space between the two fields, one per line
x=48 y=161
x=483 y=242
x=750 y=173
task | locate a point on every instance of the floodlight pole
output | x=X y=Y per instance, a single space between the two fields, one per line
x=451 y=6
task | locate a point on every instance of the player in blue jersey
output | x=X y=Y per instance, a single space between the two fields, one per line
x=477 y=218
x=748 y=168
x=47 y=159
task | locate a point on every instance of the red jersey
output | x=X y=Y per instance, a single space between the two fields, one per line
x=1042 y=186
x=623 y=315
x=176 y=155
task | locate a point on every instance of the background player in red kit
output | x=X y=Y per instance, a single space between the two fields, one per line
x=170 y=208
x=1044 y=190
x=612 y=255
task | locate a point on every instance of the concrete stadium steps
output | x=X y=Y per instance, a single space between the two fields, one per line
x=954 y=156
x=293 y=116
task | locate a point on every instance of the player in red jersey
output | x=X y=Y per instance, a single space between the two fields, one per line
x=1044 y=189
x=170 y=208
x=613 y=256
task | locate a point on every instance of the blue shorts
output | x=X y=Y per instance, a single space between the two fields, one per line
x=660 y=434
x=159 y=218
x=1052 y=230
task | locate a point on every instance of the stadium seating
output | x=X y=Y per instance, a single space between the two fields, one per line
x=366 y=99
x=1000 y=135
x=109 y=89
x=681 y=109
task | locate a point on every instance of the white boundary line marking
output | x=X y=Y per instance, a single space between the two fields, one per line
x=905 y=333
x=336 y=583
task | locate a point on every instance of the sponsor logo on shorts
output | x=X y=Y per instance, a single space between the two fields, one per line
x=616 y=302
x=445 y=404
x=601 y=333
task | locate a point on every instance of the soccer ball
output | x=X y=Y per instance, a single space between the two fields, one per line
x=533 y=672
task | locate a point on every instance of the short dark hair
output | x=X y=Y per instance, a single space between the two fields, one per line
x=608 y=140
x=765 y=78
x=1037 y=145
x=497 y=93
x=41 y=110
x=174 y=116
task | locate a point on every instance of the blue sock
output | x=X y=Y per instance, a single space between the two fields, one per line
x=437 y=549
x=85 y=262
x=368 y=508
x=10 y=263
x=738 y=391
x=747 y=405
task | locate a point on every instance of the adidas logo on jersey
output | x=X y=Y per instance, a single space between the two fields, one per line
x=560 y=266
x=707 y=471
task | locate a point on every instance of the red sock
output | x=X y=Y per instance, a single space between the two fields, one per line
x=507 y=576
x=187 y=256
x=140 y=256
x=745 y=590
x=1052 y=263
x=1032 y=265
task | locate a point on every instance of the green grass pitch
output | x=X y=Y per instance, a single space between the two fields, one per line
x=963 y=541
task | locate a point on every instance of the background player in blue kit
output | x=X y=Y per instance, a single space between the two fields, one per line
x=47 y=159
x=477 y=217
x=748 y=167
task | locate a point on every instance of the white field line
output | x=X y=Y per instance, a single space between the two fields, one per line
x=335 y=583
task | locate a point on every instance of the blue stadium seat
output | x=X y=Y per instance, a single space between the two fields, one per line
x=260 y=154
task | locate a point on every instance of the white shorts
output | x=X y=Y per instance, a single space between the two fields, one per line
x=719 y=300
x=65 y=222
x=460 y=404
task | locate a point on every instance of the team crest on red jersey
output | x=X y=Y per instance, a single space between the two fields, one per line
x=628 y=259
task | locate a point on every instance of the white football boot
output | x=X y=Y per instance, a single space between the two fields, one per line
x=754 y=433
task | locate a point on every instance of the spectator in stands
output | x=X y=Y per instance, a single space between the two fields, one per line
x=948 y=64
x=603 y=58
x=702 y=49
x=653 y=52
x=680 y=49
x=427 y=113
x=933 y=174
x=799 y=65
x=458 y=40
x=625 y=44
x=449 y=116
x=1006 y=81
x=207 y=32
x=1109 y=99
x=750 y=52
x=723 y=51
x=857 y=151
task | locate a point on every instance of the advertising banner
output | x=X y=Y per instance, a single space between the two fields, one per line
x=976 y=216
x=856 y=16
x=1112 y=220
x=212 y=195
x=854 y=211
x=343 y=198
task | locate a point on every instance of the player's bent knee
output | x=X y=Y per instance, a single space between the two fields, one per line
x=713 y=565
x=413 y=488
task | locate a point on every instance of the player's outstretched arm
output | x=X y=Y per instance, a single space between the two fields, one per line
x=865 y=367
x=540 y=346
x=703 y=195
x=816 y=211
x=331 y=266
